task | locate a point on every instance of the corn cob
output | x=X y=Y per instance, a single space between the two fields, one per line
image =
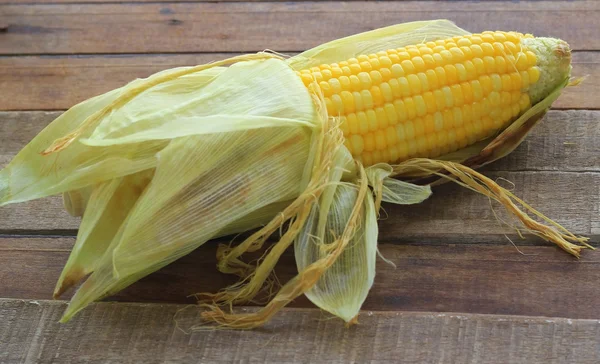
x=207 y=151
x=434 y=98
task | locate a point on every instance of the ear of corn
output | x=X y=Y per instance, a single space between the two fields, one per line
x=206 y=151
x=434 y=98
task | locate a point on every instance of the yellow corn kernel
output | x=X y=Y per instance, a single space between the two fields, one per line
x=382 y=121
x=369 y=142
x=448 y=97
x=524 y=80
x=404 y=87
x=372 y=119
x=348 y=101
x=488 y=49
x=419 y=64
x=367 y=158
x=438 y=121
x=429 y=102
x=521 y=61
x=390 y=136
x=376 y=78
x=451 y=74
x=380 y=140
x=515 y=80
x=423 y=81
x=357 y=143
x=534 y=74
x=486 y=84
x=395 y=87
x=466 y=111
x=414 y=84
x=496 y=82
x=386 y=74
x=358 y=101
x=524 y=102
x=457 y=96
x=440 y=99
x=477 y=90
x=409 y=131
x=390 y=112
x=479 y=66
x=397 y=70
x=408 y=66
x=467 y=92
x=376 y=96
x=400 y=134
x=420 y=107
x=505 y=98
x=363 y=122
x=411 y=109
x=429 y=124
x=352 y=123
x=386 y=92
x=422 y=146
x=461 y=72
x=400 y=110
x=490 y=64
x=441 y=76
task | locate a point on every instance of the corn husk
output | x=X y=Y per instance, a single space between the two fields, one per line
x=164 y=164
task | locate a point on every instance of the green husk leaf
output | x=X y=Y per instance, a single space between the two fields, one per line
x=32 y=175
x=179 y=108
x=394 y=36
x=109 y=205
x=205 y=186
x=342 y=289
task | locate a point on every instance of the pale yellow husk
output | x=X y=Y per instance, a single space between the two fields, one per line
x=162 y=165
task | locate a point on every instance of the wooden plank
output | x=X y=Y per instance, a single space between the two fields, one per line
x=455 y=213
x=116 y=333
x=561 y=152
x=542 y=281
x=59 y=82
x=289 y=26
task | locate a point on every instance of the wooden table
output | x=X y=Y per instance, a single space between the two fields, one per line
x=462 y=293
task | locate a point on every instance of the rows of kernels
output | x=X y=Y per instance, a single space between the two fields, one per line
x=428 y=99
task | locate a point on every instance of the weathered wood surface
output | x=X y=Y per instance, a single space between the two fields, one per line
x=556 y=169
x=452 y=254
x=117 y=333
x=491 y=279
x=289 y=26
x=59 y=82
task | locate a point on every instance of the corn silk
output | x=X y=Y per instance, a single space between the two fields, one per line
x=162 y=165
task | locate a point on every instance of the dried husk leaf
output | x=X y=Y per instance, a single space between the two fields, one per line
x=208 y=185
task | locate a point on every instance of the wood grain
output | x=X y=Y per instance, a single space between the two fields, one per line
x=289 y=26
x=538 y=280
x=59 y=82
x=111 y=333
